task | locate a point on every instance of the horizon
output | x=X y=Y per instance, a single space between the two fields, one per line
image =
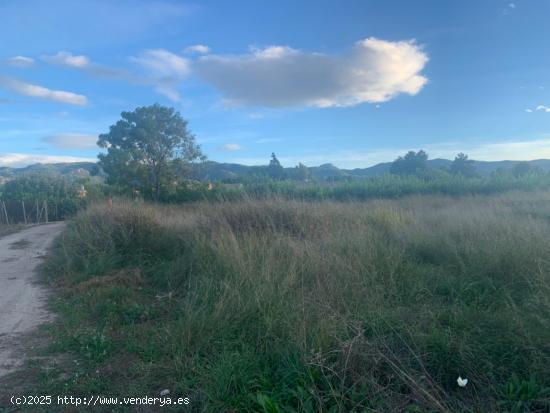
x=267 y=163
x=315 y=83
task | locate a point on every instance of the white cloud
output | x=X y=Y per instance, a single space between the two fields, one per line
x=27 y=89
x=24 y=159
x=529 y=110
x=279 y=76
x=197 y=48
x=85 y=64
x=509 y=8
x=163 y=63
x=268 y=140
x=20 y=61
x=72 y=141
x=165 y=70
x=543 y=108
x=231 y=147
x=67 y=59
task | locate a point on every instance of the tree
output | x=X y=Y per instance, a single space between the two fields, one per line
x=463 y=166
x=147 y=148
x=301 y=173
x=276 y=170
x=410 y=164
x=43 y=187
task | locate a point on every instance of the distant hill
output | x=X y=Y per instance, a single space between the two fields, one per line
x=217 y=171
x=68 y=168
x=223 y=171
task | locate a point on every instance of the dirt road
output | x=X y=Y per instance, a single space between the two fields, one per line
x=22 y=300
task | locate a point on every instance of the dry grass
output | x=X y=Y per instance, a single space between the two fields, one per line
x=323 y=306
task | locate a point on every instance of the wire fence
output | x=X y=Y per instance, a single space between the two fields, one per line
x=36 y=211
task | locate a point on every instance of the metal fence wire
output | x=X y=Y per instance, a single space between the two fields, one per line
x=35 y=211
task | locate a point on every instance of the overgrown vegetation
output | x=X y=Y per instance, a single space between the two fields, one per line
x=387 y=186
x=24 y=196
x=281 y=306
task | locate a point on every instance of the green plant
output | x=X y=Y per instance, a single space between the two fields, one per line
x=522 y=395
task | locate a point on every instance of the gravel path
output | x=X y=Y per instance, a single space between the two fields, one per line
x=22 y=300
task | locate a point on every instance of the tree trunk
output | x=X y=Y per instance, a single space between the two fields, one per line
x=156 y=185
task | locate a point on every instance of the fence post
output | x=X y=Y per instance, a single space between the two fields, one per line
x=46 y=209
x=37 y=216
x=5 y=213
x=24 y=212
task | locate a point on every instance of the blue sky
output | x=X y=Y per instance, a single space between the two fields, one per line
x=352 y=82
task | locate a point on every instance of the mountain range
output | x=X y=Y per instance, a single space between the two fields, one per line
x=216 y=171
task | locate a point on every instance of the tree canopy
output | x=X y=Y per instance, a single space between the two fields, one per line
x=38 y=186
x=410 y=164
x=276 y=170
x=463 y=166
x=148 y=149
x=301 y=173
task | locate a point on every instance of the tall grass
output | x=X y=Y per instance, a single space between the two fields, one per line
x=282 y=306
x=360 y=189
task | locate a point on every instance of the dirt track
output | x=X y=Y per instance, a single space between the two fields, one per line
x=22 y=300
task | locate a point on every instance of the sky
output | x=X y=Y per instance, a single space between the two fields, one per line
x=348 y=82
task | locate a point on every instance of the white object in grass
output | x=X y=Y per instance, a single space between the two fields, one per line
x=462 y=382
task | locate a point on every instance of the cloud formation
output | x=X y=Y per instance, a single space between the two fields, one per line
x=20 y=61
x=18 y=160
x=67 y=59
x=509 y=8
x=28 y=89
x=373 y=71
x=84 y=63
x=231 y=147
x=279 y=76
x=197 y=48
x=539 y=108
x=72 y=141
x=164 y=70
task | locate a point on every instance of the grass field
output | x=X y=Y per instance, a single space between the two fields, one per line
x=367 y=188
x=282 y=306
